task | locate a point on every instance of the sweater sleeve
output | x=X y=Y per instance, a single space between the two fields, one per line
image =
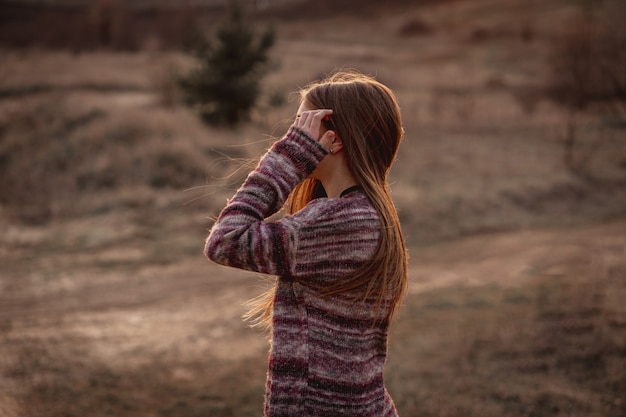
x=241 y=237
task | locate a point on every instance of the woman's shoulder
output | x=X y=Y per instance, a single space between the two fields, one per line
x=353 y=207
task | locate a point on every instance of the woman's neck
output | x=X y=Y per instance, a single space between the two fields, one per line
x=338 y=180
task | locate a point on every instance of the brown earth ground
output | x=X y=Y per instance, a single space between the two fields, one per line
x=519 y=323
x=517 y=265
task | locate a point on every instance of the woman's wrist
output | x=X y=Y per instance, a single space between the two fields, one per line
x=304 y=152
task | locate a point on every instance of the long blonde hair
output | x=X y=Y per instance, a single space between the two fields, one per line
x=366 y=117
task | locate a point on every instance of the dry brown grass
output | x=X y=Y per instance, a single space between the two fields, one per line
x=533 y=329
x=523 y=324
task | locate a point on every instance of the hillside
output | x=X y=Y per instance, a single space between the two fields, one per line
x=513 y=205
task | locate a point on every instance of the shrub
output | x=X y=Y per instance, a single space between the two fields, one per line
x=587 y=68
x=225 y=87
x=415 y=27
x=588 y=61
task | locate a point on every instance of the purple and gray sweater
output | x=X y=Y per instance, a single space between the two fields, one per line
x=327 y=353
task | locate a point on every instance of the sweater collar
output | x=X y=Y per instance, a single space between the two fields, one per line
x=349 y=190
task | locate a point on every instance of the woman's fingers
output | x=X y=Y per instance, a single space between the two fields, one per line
x=310 y=121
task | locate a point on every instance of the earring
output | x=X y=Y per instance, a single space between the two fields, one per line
x=330 y=150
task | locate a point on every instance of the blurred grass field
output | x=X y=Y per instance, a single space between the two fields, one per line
x=108 y=185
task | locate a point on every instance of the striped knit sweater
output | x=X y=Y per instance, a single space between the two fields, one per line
x=327 y=353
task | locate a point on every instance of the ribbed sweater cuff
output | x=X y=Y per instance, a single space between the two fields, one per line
x=304 y=152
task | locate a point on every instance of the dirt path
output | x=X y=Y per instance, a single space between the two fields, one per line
x=514 y=258
x=179 y=325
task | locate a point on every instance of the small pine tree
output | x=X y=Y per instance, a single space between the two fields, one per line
x=225 y=86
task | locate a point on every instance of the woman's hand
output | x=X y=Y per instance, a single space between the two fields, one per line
x=311 y=123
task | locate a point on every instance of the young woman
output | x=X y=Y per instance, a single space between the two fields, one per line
x=339 y=253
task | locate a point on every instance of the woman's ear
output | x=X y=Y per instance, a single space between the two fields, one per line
x=330 y=141
x=336 y=145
